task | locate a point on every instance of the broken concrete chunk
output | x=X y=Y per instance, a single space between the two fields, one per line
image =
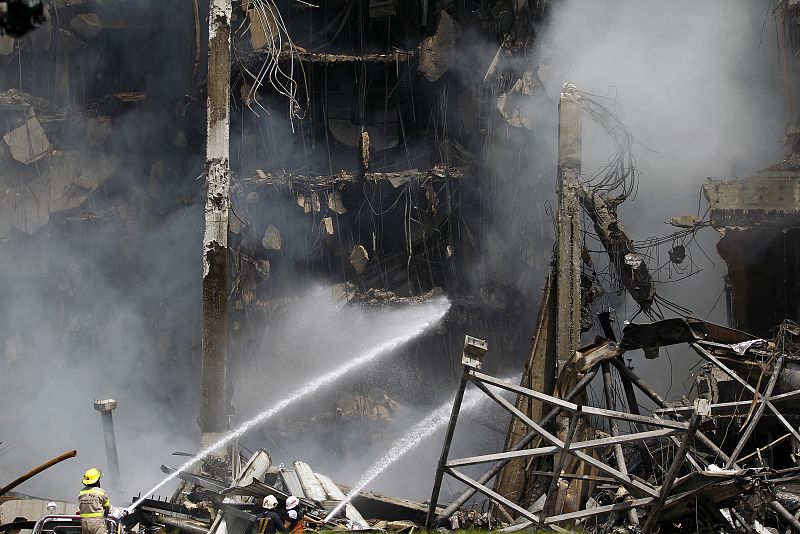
x=327 y=224
x=87 y=25
x=359 y=259
x=13 y=101
x=398 y=180
x=67 y=180
x=29 y=142
x=263 y=26
x=633 y=259
x=363 y=151
x=516 y=106
x=335 y=203
x=437 y=53
x=343 y=291
x=272 y=238
x=685 y=221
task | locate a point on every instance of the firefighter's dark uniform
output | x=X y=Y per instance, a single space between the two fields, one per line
x=269 y=522
x=93 y=505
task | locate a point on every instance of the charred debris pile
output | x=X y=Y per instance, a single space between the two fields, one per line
x=215 y=501
x=632 y=460
x=363 y=155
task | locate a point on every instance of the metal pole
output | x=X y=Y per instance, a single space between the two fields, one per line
x=773 y=379
x=608 y=388
x=213 y=415
x=448 y=438
x=661 y=403
x=729 y=302
x=179 y=524
x=471 y=358
x=559 y=467
x=785 y=515
x=105 y=407
x=521 y=444
x=633 y=407
x=672 y=474
x=606 y=319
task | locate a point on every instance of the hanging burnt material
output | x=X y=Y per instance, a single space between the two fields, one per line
x=677 y=254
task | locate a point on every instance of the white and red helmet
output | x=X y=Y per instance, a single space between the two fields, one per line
x=292 y=502
x=270 y=502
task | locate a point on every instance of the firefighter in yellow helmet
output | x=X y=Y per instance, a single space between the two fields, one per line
x=93 y=504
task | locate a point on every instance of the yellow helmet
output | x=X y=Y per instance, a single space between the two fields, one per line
x=91 y=476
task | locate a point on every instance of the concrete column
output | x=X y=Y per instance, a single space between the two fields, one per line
x=213 y=415
x=568 y=288
x=105 y=407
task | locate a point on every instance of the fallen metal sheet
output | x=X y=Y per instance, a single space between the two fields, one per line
x=259 y=490
x=597 y=352
x=719 y=333
x=335 y=494
x=679 y=330
x=232 y=510
x=311 y=486
x=292 y=483
x=255 y=469
x=217 y=486
x=744 y=346
x=658 y=334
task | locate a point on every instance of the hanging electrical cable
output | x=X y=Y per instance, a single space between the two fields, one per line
x=268 y=17
x=619 y=176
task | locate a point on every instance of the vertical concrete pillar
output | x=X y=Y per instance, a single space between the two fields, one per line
x=569 y=241
x=105 y=407
x=213 y=414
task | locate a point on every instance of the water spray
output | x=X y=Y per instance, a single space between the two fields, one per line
x=437 y=310
x=433 y=422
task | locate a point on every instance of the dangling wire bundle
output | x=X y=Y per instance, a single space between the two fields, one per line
x=620 y=175
x=269 y=18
